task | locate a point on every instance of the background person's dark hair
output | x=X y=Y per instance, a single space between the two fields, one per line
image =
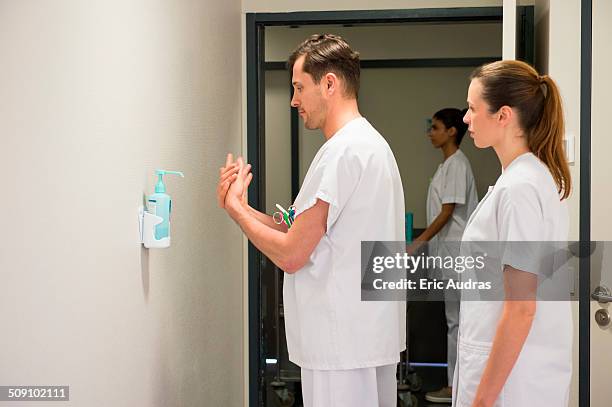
x=452 y=117
x=324 y=53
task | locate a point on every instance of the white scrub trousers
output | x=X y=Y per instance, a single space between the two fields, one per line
x=451 y=308
x=366 y=387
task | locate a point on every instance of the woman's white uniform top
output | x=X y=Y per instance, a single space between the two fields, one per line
x=523 y=205
x=327 y=325
x=453 y=182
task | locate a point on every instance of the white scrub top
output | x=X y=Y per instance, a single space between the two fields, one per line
x=327 y=325
x=523 y=205
x=453 y=182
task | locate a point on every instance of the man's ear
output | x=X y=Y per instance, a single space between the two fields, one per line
x=330 y=81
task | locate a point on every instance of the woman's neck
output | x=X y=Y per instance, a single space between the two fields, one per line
x=449 y=149
x=509 y=149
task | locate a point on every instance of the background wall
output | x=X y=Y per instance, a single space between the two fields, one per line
x=398 y=101
x=96 y=95
x=601 y=338
x=278 y=140
x=558 y=55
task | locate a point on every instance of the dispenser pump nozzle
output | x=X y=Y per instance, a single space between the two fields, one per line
x=160 y=187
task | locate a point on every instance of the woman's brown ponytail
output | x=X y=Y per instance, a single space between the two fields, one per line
x=546 y=139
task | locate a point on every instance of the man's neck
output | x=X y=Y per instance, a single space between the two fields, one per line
x=339 y=115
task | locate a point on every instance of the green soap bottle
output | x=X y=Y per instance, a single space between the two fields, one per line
x=160 y=204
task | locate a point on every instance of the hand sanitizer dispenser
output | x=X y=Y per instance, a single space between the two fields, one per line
x=155 y=218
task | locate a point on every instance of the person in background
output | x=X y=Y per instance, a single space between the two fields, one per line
x=451 y=199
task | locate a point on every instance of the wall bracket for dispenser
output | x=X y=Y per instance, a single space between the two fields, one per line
x=147 y=222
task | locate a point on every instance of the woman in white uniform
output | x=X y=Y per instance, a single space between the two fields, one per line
x=516 y=351
x=451 y=199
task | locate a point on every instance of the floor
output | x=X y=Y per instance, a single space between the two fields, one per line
x=433 y=379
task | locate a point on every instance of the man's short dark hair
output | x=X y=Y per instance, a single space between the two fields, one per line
x=324 y=53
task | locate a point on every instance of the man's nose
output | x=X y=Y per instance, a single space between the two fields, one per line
x=294 y=102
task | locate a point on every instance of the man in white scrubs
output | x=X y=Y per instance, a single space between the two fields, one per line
x=451 y=199
x=347 y=349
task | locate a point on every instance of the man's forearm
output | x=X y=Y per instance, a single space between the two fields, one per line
x=266 y=219
x=271 y=242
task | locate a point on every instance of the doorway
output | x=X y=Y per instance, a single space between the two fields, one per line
x=272 y=378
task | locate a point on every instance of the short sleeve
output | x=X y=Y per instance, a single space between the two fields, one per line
x=521 y=226
x=333 y=180
x=454 y=189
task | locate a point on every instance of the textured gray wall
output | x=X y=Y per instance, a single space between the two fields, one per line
x=95 y=96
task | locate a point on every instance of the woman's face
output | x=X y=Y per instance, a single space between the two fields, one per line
x=439 y=134
x=483 y=126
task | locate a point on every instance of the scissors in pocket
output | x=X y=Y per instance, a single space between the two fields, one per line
x=284 y=216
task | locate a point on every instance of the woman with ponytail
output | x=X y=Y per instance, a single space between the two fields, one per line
x=517 y=351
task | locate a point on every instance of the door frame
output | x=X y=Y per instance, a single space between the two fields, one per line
x=584 y=269
x=255 y=122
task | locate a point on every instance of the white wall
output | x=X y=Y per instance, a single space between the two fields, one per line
x=95 y=96
x=601 y=222
x=564 y=68
x=600 y=123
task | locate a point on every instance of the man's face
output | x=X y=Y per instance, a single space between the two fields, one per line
x=308 y=97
